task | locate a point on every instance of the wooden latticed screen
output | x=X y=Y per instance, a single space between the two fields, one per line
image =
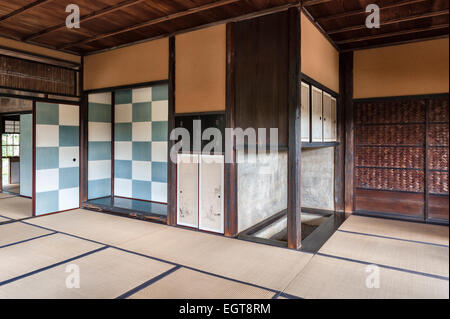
x=392 y=172
x=437 y=159
x=39 y=77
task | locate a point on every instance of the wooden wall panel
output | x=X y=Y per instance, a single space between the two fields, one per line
x=261 y=74
x=437 y=161
x=401 y=157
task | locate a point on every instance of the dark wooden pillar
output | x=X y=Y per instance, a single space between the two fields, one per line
x=171 y=166
x=113 y=136
x=339 y=153
x=83 y=139
x=231 y=217
x=33 y=186
x=294 y=118
x=1 y=154
x=346 y=88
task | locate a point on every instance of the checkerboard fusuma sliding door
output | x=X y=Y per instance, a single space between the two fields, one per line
x=140 y=143
x=56 y=157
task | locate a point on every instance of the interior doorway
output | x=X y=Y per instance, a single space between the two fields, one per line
x=16 y=123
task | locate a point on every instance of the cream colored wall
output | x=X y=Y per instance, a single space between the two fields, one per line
x=408 y=69
x=201 y=70
x=144 y=62
x=320 y=60
x=22 y=46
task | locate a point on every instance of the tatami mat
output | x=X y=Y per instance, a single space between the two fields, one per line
x=407 y=255
x=16 y=207
x=2 y=219
x=29 y=256
x=262 y=265
x=3 y=195
x=326 y=277
x=398 y=229
x=105 y=274
x=15 y=232
x=107 y=229
x=189 y=284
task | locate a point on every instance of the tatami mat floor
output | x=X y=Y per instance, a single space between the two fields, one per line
x=118 y=257
x=15 y=207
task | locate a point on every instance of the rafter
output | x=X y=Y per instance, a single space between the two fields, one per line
x=362 y=11
x=29 y=6
x=393 y=34
x=152 y=22
x=88 y=17
x=310 y=3
x=392 y=21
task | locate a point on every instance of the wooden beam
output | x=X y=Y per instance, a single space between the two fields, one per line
x=171 y=166
x=24 y=9
x=346 y=91
x=152 y=22
x=391 y=43
x=392 y=21
x=363 y=10
x=87 y=17
x=394 y=34
x=231 y=213
x=294 y=227
x=310 y=3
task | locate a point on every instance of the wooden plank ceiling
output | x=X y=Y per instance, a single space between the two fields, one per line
x=110 y=23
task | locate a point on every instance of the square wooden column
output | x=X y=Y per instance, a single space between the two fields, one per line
x=294 y=228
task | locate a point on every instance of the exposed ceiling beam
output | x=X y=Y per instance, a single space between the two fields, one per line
x=373 y=46
x=244 y=17
x=363 y=11
x=152 y=22
x=393 y=34
x=85 y=18
x=392 y=21
x=310 y=3
x=29 y=6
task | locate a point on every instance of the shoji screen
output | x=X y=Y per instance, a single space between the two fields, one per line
x=57 y=157
x=140 y=143
x=317 y=131
x=99 y=149
x=305 y=125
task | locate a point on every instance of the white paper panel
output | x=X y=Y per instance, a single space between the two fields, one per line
x=211 y=193
x=316 y=115
x=187 y=190
x=305 y=112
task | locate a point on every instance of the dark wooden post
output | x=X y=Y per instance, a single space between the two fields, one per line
x=346 y=88
x=83 y=139
x=230 y=187
x=1 y=154
x=294 y=118
x=339 y=153
x=171 y=166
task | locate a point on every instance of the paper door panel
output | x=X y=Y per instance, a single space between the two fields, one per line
x=211 y=193
x=187 y=197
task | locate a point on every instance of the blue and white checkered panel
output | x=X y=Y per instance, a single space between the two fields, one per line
x=140 y=149
x=57 y=157
x=99 y=149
